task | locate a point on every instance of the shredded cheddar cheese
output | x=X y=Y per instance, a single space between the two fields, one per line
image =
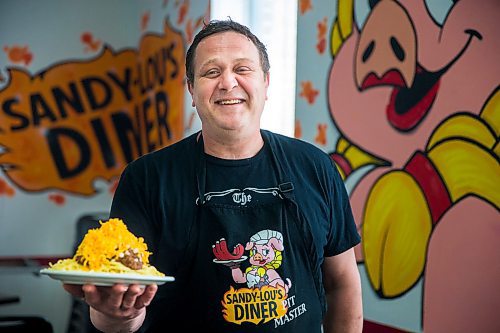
x=101 y=249
x=107 y=242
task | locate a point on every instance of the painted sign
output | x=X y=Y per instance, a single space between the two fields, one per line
x=79 y=99
x=81 y=120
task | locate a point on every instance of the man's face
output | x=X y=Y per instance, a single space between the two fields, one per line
x=229 y=88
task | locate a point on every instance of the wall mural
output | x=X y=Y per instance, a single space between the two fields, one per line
x=76 y=121
x=78 y=101
x=413 y=94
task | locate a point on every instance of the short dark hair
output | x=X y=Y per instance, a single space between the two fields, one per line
x=216 y=26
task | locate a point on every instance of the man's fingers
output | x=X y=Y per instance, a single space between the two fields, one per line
x=115 y=296
x=116 y=300
x=74 y=289
x=130 y=296
x=146 y=297
x=91 y=294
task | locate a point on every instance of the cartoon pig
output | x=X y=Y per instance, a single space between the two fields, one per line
x=419 y=101
x=265 y=249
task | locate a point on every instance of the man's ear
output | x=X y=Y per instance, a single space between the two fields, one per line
x=190 y=89
x=267 y=76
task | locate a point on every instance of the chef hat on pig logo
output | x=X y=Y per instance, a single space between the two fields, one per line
x=263 y=236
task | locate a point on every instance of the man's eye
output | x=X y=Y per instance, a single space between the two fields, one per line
x=243 y=70
x=211 y=73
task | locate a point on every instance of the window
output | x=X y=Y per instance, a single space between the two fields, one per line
x=275 y=24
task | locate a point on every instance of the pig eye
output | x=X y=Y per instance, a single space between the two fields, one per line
x=265 y=252
x=439 y=9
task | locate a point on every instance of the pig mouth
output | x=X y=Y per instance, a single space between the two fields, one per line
x=408 y=106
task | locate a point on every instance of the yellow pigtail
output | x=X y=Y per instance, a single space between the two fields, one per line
x=465 y=150
x=461 y=160
x=464 y=126
x=491 y=115
x=395 y=233
x=276 y=263
x=468 y=169
x=342 y=27
x=349 y=158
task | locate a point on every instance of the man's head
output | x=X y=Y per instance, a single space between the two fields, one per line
x=228 y=79
x=214 y=27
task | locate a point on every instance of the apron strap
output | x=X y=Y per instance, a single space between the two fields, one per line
x=286 y=190
x=201 y=170
x=285 y=184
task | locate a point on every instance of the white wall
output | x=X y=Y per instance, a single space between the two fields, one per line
x=275 y=24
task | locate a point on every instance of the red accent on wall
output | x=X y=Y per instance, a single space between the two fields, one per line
x=342 y=163
x=372 y=327
x=428 y=178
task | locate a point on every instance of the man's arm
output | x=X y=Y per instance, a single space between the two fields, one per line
x=343 y=293
x=107 y=324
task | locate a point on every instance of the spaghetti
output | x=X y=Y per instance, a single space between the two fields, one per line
x=111 y=248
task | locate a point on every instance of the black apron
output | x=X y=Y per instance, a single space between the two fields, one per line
x=275 y=286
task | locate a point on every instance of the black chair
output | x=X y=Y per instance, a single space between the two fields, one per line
x=79 y=321
x=23 y=324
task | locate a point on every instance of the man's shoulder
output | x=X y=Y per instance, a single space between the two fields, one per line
x=293 y=146
x=178 y=153
x=183 y=146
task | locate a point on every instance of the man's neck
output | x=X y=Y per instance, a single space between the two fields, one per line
x=233 y=147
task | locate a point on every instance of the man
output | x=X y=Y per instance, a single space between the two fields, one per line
x=255 y=227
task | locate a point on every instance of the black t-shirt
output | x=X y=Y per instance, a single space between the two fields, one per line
x=158 y=193
x=251 y=181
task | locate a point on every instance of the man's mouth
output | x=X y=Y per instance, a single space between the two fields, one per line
x=229 y=101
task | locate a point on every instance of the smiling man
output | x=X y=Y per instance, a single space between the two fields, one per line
x=229 y=89
x=256 y=227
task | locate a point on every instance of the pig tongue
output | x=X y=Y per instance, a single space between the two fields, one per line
x=390 y=78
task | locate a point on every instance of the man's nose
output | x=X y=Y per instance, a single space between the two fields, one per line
x=227 y=81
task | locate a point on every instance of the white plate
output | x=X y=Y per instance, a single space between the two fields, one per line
x=104 y=279
x=243 y=258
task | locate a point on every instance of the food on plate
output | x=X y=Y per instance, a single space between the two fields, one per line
x=111 y=248
x=222 y=253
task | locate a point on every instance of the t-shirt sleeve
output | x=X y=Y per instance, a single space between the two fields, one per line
x=130 y=204
x=343 y=232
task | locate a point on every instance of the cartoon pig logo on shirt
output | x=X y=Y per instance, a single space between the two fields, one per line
x=265 y=249
x=265 y=297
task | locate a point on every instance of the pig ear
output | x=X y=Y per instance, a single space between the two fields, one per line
x=276 y=244
x=249 y=246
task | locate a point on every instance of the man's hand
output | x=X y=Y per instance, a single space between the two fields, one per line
x=119 y=304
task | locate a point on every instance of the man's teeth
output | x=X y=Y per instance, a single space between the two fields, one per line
x=230 y=101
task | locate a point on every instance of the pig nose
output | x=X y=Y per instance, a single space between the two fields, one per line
x=258 y=256
x=388 y=42
x=227 y=81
